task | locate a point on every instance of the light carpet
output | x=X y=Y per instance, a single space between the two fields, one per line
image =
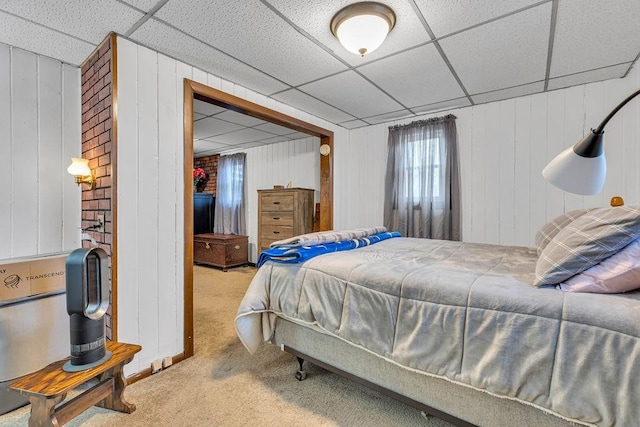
x=223 y=385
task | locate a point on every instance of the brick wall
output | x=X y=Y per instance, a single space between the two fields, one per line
x=97 y=100
x=210 y=166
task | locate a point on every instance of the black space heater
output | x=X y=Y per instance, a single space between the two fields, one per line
x=87 y=303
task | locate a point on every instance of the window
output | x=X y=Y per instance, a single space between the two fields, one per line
x=229 y=217
x=424 y=169
x=421 y=186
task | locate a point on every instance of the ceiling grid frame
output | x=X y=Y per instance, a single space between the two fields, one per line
x=45 y=28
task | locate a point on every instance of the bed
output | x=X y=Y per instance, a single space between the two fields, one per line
x=474 y=333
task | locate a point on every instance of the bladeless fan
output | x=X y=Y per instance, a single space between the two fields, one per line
x=87 y=303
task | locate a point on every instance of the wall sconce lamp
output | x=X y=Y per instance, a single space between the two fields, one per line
x=581 y=169
x=362 y=27
x=79 y=168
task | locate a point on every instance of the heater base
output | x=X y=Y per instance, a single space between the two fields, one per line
x=68 y=367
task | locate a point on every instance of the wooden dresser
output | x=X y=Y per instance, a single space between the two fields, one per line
x=220 y=250
x=283 y=213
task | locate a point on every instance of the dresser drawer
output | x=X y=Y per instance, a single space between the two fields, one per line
x=277 y=203
x=265 y=243
x=277 y=219
x=275 y=232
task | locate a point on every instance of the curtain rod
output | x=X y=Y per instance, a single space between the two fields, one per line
x=432 y=120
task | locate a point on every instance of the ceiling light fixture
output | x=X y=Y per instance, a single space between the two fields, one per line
x=581 y=169
x=362 y=27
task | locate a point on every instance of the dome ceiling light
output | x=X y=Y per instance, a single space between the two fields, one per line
x=362 y=27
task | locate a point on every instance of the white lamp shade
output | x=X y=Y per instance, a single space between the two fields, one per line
x=576 y=174
x=363 y=34
x=79 y=167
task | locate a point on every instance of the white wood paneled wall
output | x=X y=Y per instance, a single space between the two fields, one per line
x=39 y=133
x=503 y=147
x=150 y=192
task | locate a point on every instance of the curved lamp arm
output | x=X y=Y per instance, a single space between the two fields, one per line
x=615 y=110
x=581 y=169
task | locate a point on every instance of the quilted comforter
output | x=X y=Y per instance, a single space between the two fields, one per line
x=467 y=313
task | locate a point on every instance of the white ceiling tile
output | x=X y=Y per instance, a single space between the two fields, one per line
x=145 y=5
x=252 y=144
x=229 y=149
x=513 y=92
x=353 y=124
x=452 y=103
x=415 y=77
x=395 y=115
x=589 y=76
x=275 y=139
x=298 y=135
x=206 y=108
x=184 y=48
x=314 y=17
x=241 y=136
x=351 y=93
x=504 y=53
x=320 y=109
x=267 y=40
x=239 y=118
x=210 y=126
x=446 y=16
x=590 y=34
x=34 y=38
x=91 y=24
x=274 y=129
x=202 y=147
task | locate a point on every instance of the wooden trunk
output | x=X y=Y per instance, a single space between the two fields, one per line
x=220 y=250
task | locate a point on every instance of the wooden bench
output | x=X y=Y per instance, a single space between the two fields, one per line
x=50 y=385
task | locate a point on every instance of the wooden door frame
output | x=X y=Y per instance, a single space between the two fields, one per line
x=208 y=94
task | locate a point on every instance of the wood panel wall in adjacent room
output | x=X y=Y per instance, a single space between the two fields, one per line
x=297 y=162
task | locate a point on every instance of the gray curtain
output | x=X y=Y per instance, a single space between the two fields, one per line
x=229 y=217
x=422 y=186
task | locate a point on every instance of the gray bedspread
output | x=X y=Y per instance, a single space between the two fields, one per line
x=467 y=313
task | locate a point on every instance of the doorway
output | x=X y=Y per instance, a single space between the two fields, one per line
x=194 y=90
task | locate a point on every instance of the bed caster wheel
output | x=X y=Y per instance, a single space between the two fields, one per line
x=301 y=375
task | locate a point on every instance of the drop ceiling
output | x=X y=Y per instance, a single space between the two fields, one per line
x=217 y=130
x=441 y=54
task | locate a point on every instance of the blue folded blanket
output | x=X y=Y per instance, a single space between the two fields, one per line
x=297 y=254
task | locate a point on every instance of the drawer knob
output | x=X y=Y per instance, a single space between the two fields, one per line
x=206 y=245
x=276 y=203
x=276 y=218
x=237 y=247
x=276 y=232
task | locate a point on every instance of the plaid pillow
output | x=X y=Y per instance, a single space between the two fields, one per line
x=586 y=241
x=553 y=227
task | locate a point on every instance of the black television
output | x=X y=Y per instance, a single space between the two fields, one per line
x=203 y=212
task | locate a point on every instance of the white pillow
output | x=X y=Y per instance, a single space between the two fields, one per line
x=618 y=273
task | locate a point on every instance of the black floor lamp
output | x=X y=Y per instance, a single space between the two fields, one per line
x=581 y=169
